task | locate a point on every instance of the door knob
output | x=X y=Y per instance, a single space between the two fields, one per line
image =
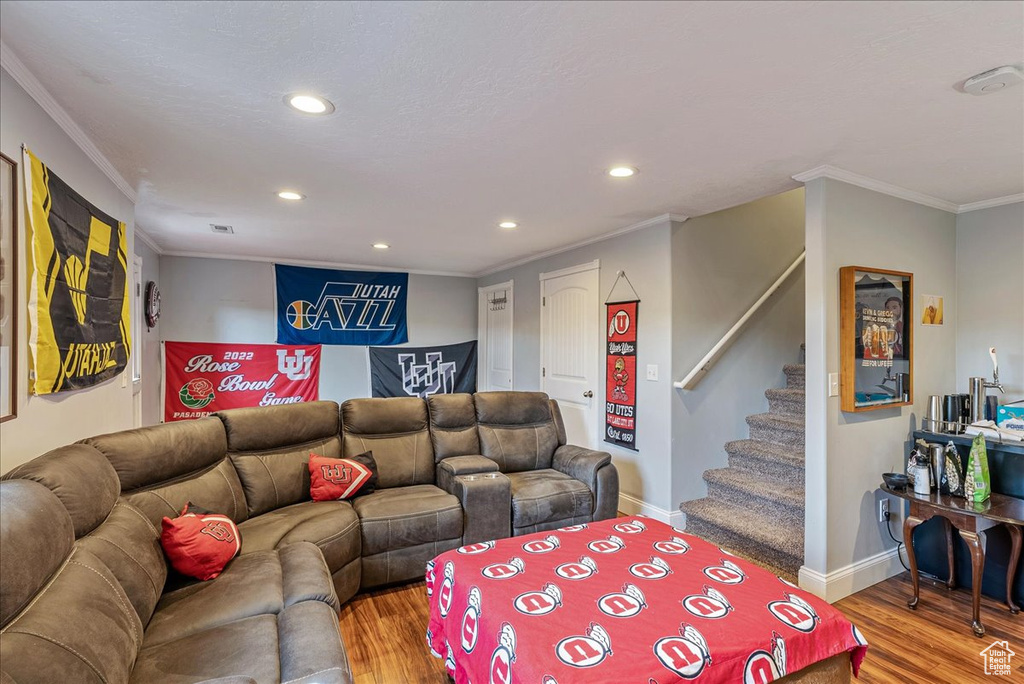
x=588 y=394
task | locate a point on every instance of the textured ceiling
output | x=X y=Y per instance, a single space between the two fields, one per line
x=453 y=116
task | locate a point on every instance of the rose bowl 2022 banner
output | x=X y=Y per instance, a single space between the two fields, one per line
x=422 y=371
x=620 y=381
x=325 y=306
x=201 y=378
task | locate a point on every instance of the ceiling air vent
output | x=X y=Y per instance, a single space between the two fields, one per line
x=223 y=230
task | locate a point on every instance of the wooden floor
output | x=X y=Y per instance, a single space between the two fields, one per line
x=385 y=634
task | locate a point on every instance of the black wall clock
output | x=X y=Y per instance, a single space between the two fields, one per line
x=152 y=304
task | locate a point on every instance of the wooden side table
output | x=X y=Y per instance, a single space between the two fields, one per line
x=971 y=520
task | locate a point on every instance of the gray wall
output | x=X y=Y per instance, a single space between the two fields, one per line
x=847 y=452
x=990 y=295
x=152 y=373
x=721 y=264
x=46 y=422
x=219 y=300
x=645 y=257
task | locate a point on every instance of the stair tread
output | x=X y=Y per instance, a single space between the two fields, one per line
x=788 y=393
x=794 y=367
x=777 y=419
x=768 y=450
x=742 y=522
x=781 y=490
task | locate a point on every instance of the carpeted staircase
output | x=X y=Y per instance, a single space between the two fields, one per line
x=755 y=507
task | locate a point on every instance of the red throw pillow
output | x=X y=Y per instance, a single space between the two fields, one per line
x=331 y=479
x=200 y=543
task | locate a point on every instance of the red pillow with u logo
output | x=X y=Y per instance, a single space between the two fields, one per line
x=331 y=479
x=199 y=543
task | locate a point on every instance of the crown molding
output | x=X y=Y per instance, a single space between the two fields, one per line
x=312 y=263
x=27 y=80
x=149 y=241
x=988 y=204
x=867 y=183
x=662 y=218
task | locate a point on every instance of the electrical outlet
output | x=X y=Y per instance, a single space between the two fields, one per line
x=833 y=384
x=883 y=510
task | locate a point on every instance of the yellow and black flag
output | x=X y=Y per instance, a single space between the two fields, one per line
x=78 y=295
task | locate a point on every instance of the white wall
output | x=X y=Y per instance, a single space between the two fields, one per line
x=721 y=264
x=220 y=300
x=44 y=423
x=847 y=452
x=990 y=296
x=149 y=347
x=645 y=256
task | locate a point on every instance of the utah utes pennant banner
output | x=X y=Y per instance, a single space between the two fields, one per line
x=324 y=306
x=78 y=291
x=202 y=378
x=620 y=381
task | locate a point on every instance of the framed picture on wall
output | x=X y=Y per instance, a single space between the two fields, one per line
x=876 y=338
x=8 y=288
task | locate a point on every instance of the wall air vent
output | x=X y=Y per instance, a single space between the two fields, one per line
x=223 y=230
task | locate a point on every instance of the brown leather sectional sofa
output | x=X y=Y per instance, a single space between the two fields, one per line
x=86 y=594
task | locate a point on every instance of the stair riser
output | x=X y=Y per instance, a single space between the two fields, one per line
x=786 y=408
x=784 y=512
x=795 y=380
x=707 y=529
x=779 y=470
x=777 y=435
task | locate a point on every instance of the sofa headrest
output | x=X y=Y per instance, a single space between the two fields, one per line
x=391 y=416
x=82 y=479
x=260 y=429
x=36 y=536
x=451 y=410
x=512 y=408
x=151 y=455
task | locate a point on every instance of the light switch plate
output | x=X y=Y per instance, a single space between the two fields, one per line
x=833 y=384
x=652 y=371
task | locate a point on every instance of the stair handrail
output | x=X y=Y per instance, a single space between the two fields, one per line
x=704 y=365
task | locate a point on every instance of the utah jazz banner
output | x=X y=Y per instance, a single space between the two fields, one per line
x=78 y=293
x=200 y=378
x=324 y=306
x=620 y=382
x=422 y=371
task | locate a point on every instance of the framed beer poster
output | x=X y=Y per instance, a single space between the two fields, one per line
x=876 y=335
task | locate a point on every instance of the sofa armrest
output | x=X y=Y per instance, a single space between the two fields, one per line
x=450 y=468
x=594 y=469
x=486 y=499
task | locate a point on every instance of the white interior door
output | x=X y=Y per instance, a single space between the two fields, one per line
x=570 y=326
x=494 y=348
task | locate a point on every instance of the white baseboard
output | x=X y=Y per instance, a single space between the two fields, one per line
x=848 y=580
x=633 y=506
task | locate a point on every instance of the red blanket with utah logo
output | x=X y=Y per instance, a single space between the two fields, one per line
x=626 y=600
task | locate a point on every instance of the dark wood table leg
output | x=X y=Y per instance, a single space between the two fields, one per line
x=975 y=542
x=1015 y=535
x=908 y=541
x=951 y=578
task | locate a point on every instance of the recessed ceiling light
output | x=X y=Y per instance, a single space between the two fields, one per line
x=508 y=225
x=621 y=171
x=291 y=195
x=309 y=104
x=381 y=245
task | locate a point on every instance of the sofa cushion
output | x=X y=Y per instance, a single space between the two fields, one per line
x=516 y=429
x=160 y=453
x=453 y=425
x=36 y=537
x=396 y=431
x=261 y=583
x=332 y=525
x=270 y=449
x=129 y=545
x=81 y=477
x=215 y=489
x=400 y=517
x=540 y=496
